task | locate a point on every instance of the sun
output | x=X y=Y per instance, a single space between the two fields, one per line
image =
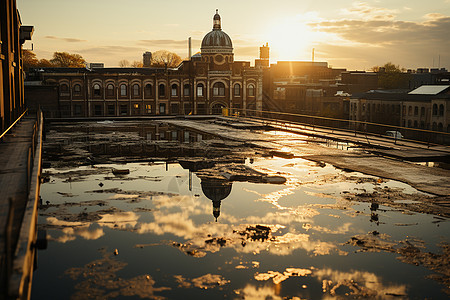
x=290 y=39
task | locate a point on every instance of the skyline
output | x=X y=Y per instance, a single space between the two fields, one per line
x=356 y=35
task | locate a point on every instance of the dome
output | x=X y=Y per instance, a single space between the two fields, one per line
x=216 y=40
x=216 y=190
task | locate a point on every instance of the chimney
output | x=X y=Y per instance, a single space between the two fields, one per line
x=190 y=48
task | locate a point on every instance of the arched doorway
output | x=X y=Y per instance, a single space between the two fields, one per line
x=216 y=109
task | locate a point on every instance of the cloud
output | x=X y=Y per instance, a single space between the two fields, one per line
x=370 y=39
x=70 y=40
x=169 y=44
x=365 y=10
x=111 y=50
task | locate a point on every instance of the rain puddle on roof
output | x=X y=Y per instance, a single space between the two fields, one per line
x=182 y=231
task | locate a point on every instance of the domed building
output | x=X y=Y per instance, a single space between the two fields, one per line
x=205 y=83
x=216 y=45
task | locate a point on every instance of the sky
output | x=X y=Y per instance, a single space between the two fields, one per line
x=355 y=35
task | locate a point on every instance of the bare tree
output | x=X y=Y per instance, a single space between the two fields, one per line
x=164 y=58
x=137 y=64
x=124 y=63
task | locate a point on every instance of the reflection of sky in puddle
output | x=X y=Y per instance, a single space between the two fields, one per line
x=163 y=226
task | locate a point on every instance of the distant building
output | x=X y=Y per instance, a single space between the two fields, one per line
x=305 y=88
x=263 y=61
x=427 y=107
x=12 y=36
x=96 y=65
x=205 y=84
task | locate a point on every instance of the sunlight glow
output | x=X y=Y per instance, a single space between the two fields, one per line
x=291 y=39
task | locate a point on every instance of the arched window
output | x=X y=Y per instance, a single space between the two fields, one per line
x=219 y=89
x=123 y=90
x=97 y=91
x=410 y=111
x=416 y=111
x=148 y=90
x=174 y=90
x=415 y=124
x=77 y=90
x=64 y=88
x=162 y=90
x=440 y=127
x=422 y=111
x=110 y=90
x=136 y=90
x=200 y=90
x=251 y=90
x=186 y=89
x=434 y=126
x=435 y=109
x=237 y=89
x=441 y=110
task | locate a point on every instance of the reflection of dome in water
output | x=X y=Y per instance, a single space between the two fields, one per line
x=216 y=190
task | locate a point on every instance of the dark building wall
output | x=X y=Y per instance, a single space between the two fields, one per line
x=11 y=73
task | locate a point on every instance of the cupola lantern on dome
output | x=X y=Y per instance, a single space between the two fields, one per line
x=216 y=21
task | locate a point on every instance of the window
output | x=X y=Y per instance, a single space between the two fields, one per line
x=77 y=110
x=440 y=127
x=111 y=110
x=435 y=109
x=409 y=123
x=441 y=110
x=123 y=90
x=136 y=90
x=77 y=90
x=148 y=108
x=162 y=90
x=237 y=89
x=110 y=90
x=64 y=88
x=174 y=135
x=410 y=111
x=200 y=89
x=148 y=90
x=422 y=111
x=162 y=108
x=123 y=109
x=136 y=109
x=174 y=90
x=219 y=89
x=186 y=89
x=416 y=111
x=97 y=110
x=97 y=91
x=415 y=124
x=251 y=90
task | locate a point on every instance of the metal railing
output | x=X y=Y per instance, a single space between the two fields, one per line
x=9 y=248
x=355 y=127
x=12 y=125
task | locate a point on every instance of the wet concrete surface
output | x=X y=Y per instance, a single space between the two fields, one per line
x=207 y=222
